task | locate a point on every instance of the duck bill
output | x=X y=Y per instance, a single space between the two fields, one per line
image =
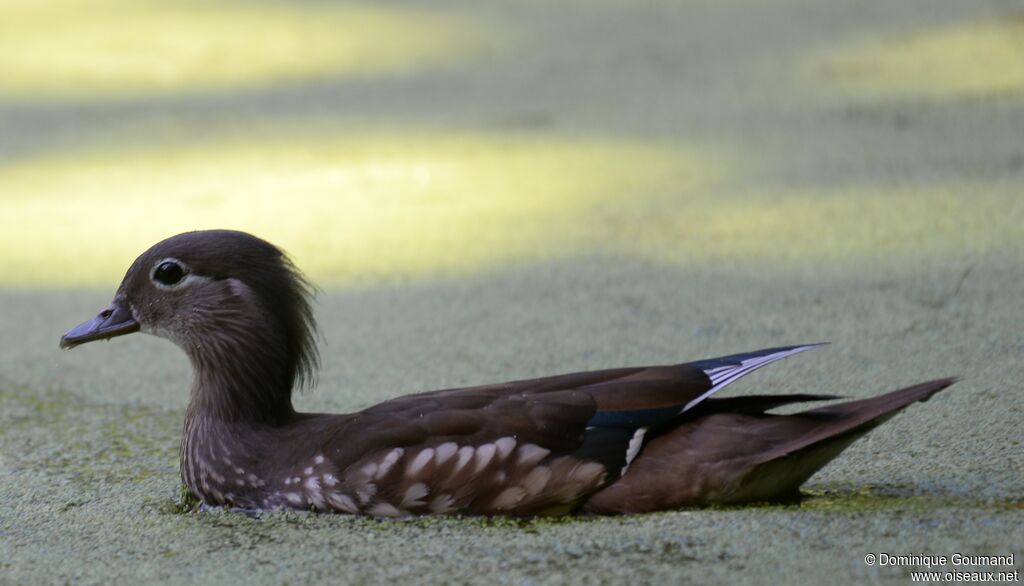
x=115 y=320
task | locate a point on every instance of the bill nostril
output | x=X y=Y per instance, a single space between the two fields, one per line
x=106 y=313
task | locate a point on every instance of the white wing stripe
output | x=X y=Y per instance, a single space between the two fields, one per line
x=724 y=378
x=721 y=376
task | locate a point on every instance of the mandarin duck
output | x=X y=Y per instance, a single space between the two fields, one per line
x=623 y=440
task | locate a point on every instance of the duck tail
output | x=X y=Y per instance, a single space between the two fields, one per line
x=733 y=456
x=816 y=436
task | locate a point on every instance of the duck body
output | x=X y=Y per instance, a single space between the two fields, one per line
x=612 y=441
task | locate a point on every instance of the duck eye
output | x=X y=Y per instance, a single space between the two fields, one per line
x=168 y=273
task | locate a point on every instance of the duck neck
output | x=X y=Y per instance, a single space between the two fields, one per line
x=241 y=380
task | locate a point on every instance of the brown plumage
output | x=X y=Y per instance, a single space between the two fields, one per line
x=611 y=441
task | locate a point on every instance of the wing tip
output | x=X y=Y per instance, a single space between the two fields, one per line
x=727 y=369
x=797 y=347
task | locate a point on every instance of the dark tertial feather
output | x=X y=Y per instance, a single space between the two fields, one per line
x=752 y=404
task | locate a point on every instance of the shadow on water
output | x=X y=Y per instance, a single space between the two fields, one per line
x=91 y=445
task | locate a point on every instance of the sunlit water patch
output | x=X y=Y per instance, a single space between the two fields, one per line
x=967 y=59
x=103 y=48
x=348 y=207
x=855 y=224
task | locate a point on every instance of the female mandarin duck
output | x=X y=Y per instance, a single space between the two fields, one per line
x=624 y=440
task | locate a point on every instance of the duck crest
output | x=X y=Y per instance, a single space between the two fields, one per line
x=621 y=440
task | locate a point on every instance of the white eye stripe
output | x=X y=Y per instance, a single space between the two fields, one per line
x=188 y=278
x=192 y=278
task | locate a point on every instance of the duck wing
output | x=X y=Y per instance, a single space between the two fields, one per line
x=534 y=446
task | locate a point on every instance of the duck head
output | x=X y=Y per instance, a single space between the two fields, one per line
x=234 y=303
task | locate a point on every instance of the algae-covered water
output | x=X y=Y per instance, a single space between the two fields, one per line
x=488 y=191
